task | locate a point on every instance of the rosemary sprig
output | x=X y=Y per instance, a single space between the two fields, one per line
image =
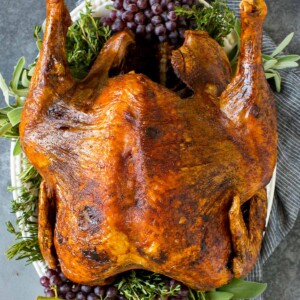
x=217 y=19
x=25 y=205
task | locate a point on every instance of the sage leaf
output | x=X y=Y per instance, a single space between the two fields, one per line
x=14 y=116
x=269 y=75
x=4 y=89
x=283 y=44
x=244 y=289
x=25 y=81
x=291 y=57
x=285 y=64
x=17 y=74
x=267 y=57
x=218 y=295
x=31 y=71
x=5 y=128
x=277 y=79
x=21 y=92
x=269 y=64
x=5 y=110
x=17 y=149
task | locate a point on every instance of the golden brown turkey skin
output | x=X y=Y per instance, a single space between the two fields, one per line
x=141 y=178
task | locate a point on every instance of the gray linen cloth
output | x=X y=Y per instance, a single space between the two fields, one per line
x=286 y=201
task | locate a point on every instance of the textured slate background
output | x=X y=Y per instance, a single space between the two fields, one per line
x=20 y=282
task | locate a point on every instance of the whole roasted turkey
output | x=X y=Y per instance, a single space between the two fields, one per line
x=134 y=176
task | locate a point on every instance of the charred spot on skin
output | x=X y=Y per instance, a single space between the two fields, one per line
x=56 y=111
x=63 y=127
x=89 y=219
x=61 y=239
x=152 y=132
x=255 y=111
x=101 y=257
x=205 y=218
x=150 y=94
x=161 y=258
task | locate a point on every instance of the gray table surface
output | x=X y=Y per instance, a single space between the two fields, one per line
x=20 y=282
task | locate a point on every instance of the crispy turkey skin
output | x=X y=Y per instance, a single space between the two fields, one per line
x=136 y=177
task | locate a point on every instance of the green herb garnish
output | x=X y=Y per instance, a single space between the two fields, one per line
x=217 y=19
x=85 y=38
x=272 y=62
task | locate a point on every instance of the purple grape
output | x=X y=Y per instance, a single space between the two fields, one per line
x=113 y=15
x=44 y=281
x=118 y=25
x=50 y=294
x=50 y=272
x=156 y=20
x=106 y=21
x=131 y=26
x=127 y=16
x=133 y=8
x=55 y=280
x=86 y=288
x=70 y=295
x=112 y=292
x=162 y=38
x=156 y=8
x=171 y=6
x=173 y=34
x=65 y=288
x=118 y=4
x=99 y=290
x=148 y=13
x=81 y=296
x=170 y=25
x=75 y=287
x=152 y=2
x=141 y=29
x=142 y=4
x=172 y=16
x=92 y=296
x=149 y=28
x=160 y=30
x=140 y=18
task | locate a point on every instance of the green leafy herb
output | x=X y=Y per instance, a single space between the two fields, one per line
x=85 y=38
x=217 y=19
x=272 y=62
x=244 y=289
x=142 y=285
x=27 y=247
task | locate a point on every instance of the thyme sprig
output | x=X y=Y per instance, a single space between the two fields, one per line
x=217 y=19
x=85 y=38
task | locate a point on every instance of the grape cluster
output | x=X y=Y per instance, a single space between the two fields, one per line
x=69 y=290
x=149 y=18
